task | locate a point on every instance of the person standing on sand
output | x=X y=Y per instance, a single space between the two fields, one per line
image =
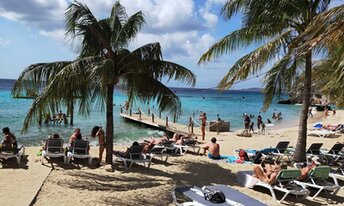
x=259 y=121
x=99 y=132
x=247 y=121
x=203 y=118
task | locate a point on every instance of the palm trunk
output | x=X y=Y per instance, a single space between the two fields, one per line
x=109 y=123
x=71 y=107
x=300 y=149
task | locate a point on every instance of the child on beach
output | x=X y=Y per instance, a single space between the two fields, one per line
x=99 y=132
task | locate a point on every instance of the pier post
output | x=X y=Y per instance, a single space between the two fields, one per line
x=174 y=117
x=166 y=121
x=152 y=117
x=130 y=111
x=148 y=113
x=159 y=114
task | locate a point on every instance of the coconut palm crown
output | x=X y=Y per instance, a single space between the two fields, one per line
x=276 y=27
x=103 y=63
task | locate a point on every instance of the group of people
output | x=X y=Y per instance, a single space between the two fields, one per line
x=56 y=118
x=249 y=125
x=267 y=171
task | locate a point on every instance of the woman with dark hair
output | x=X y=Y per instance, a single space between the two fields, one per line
x=99 y=132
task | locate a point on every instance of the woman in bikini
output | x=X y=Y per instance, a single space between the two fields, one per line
x=99 y=132
x=203 y=118
x=267 y=172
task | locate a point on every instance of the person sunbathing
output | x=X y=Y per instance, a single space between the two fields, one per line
x=126 y=153
x=213 y=148
x=305 y=170
x=267 y=172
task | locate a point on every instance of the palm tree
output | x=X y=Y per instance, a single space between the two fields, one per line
x=276 y=26
x=105 y=62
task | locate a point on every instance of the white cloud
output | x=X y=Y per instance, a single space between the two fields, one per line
x=4 y=43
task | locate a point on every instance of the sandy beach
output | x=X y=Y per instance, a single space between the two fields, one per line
x=77 y=184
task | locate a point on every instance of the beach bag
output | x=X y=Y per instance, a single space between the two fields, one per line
x=215 y=196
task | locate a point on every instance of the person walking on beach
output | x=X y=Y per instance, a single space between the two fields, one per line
x=310 y=112
x=247 y=122
x=251 y=127
x=99 y=132
x=259 y=121
x=203 y=118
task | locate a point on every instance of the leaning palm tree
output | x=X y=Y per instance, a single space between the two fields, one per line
x=274 y=26
x=103 y=63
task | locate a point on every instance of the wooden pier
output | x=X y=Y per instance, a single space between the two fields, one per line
x=165 y=123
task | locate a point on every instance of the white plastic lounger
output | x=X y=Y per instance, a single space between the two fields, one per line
x=79 y=150
x=284 y=183
x=54 y=149
x=322 y=133
x=9 y=152
x=196 y=195
x=317 y=178
x=135 y=156
x=157 y=151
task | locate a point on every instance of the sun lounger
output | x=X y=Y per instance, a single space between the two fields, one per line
x=334 y=152
x=196 y=195
x=54 y=149
x=322 y=133
x=337 y=174
x=317 y=178
x=79 y=149
x=157 y=151
x=135 y=155
x=314 y=150
x=8 y=152
x=284 y=183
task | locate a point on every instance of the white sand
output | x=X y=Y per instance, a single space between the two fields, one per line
x=77 y=184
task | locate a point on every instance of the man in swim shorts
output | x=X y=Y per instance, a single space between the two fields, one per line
x=213 y=148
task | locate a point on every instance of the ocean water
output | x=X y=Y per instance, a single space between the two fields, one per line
x=229 y=105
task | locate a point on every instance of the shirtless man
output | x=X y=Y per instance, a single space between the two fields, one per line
x=203 y=118
x=305 y=170
x=9 y=138
x=213 y=148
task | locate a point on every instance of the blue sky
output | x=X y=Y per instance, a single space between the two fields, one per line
x=32 y=31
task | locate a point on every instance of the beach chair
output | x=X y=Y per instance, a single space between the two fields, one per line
x=335 y=152
x=54 y=149
x=322 y=133
x=197 y=196
x=135 y=155
x=285 y=182
x=79 y=149
x=337 y=174
x=317 y=178
x=314 y=150
x=189 y=144
x=157 y=151
x=8 y=152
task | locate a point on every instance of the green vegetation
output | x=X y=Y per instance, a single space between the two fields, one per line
x=288 y=35
x=103 y=63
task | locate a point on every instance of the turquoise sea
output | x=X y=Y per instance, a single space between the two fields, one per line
x=230 y=105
